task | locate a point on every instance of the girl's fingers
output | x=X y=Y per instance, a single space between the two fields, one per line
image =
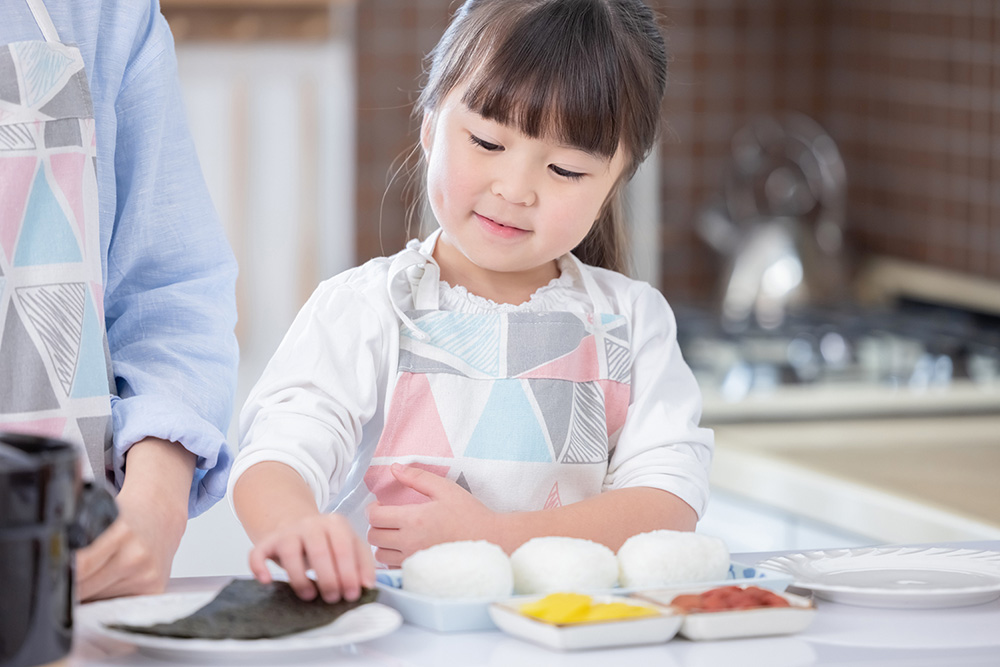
x=385 y=539
x=258 y=565
x=366 y=563
x=291 y=558
x=345 y=558
x=322 y=561
x=389 y=557
x=386 y=516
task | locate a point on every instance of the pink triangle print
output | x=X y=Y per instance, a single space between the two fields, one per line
x=68 y=171
x=16 y=177
x=580 y=365
x=616 y=397
x=46 y=428
x=413 y=426
x=553 y=500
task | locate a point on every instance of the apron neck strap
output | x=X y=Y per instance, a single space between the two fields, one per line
x=43 y=20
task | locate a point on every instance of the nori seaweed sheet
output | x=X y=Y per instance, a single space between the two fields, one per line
x=248 y=609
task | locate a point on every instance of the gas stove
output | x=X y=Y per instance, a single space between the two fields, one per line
x=908 y=358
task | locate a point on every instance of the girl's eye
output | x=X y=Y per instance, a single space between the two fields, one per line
x=565 y=173
x=482 y=143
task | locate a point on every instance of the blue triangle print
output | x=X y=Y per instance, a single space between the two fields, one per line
x=46 y=237
x=508 y=429
x=91 y=370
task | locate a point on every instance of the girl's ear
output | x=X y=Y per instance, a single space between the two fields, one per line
x=427 y=132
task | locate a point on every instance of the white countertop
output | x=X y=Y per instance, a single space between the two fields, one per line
x=840 y=635
x=918 y=479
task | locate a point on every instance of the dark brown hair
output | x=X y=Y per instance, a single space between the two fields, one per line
x=589 y=73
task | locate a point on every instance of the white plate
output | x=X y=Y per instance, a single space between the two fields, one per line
x=737 y=623
x=623 y=632
x=915 y=577
x=472 y=614
x=361 y=624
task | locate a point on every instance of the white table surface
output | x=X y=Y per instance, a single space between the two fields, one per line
x=840 y=635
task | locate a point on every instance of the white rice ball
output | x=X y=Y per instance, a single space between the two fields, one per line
x=467 y=569
x=549 y=564
x=664 y=557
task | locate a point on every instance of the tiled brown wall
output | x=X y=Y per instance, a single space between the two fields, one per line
x=909 y=90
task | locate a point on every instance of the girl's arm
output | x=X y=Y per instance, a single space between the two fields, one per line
x=452 y=513
x=279 y=513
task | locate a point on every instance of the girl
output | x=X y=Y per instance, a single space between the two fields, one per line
x=499 y=380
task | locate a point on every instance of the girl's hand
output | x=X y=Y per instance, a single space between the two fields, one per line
x=452 y=513
x=324 y=543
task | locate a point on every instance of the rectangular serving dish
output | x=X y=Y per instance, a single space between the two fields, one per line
x=604 y=634
x=472 y=614
x=735 y=623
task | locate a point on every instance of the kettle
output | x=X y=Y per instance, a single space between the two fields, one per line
x=779 y=221
x=46 y=512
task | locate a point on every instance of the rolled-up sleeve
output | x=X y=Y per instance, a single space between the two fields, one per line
x=318 y=391
x=661 y=444
x=170 y=303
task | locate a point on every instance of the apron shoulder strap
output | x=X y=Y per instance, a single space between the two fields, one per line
x=43 y=20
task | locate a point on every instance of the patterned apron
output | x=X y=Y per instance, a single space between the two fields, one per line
x=55 y=372
x=521 y=409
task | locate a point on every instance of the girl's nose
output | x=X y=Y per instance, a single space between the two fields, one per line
x=514 y=186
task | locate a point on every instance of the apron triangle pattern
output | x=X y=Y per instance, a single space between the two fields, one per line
x=20 y=363
x=16 y=175
x=413 y=427
x=463 y=482
x=43 y=70
x=553 y=500
x=587 y=442
x=580 y=365
x=16 y=137
x=619 y=360
x=473 y=396
x=472 y=339
x=50 y=240
x=508 y=428
x=91 y=377
x=555 y=401
x=9 y=90
x=53 y=427
x=67 y=170
x=70 y=99
x=535 y=339
x=57 y=313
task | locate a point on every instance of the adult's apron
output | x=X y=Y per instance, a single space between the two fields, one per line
x=518 y=408
x=54 y=364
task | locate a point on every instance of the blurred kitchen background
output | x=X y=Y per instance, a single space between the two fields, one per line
x=823 y=213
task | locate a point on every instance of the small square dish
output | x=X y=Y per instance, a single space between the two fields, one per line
x=735 y=623
x=655 y=629
x=471 y=614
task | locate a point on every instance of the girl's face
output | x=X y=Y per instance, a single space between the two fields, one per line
x=508 y=204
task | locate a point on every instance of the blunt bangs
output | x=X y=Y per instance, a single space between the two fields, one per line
x=554 y=75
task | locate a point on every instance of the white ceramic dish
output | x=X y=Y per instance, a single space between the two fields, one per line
x=914 y=577
x=737 y=623
x=366 y=622
x=472 y=614
x=624 y=632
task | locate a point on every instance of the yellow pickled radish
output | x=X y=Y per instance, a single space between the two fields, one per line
x=567 y=608
x=558 y=608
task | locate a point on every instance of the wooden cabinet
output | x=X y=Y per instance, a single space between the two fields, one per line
x=256 y=20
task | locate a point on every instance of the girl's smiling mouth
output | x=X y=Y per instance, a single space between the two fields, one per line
x=498 y=228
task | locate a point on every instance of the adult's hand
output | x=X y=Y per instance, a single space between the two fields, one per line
x=451 y=513
x=134 y=555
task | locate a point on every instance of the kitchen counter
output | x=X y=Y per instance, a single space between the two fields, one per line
x=895 y=480
x=840 y=635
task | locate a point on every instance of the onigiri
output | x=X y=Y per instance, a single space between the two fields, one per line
x=664 y=557
x=466 y=569
x=549 y=564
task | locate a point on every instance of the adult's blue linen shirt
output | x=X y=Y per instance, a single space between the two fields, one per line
x=169 y=273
